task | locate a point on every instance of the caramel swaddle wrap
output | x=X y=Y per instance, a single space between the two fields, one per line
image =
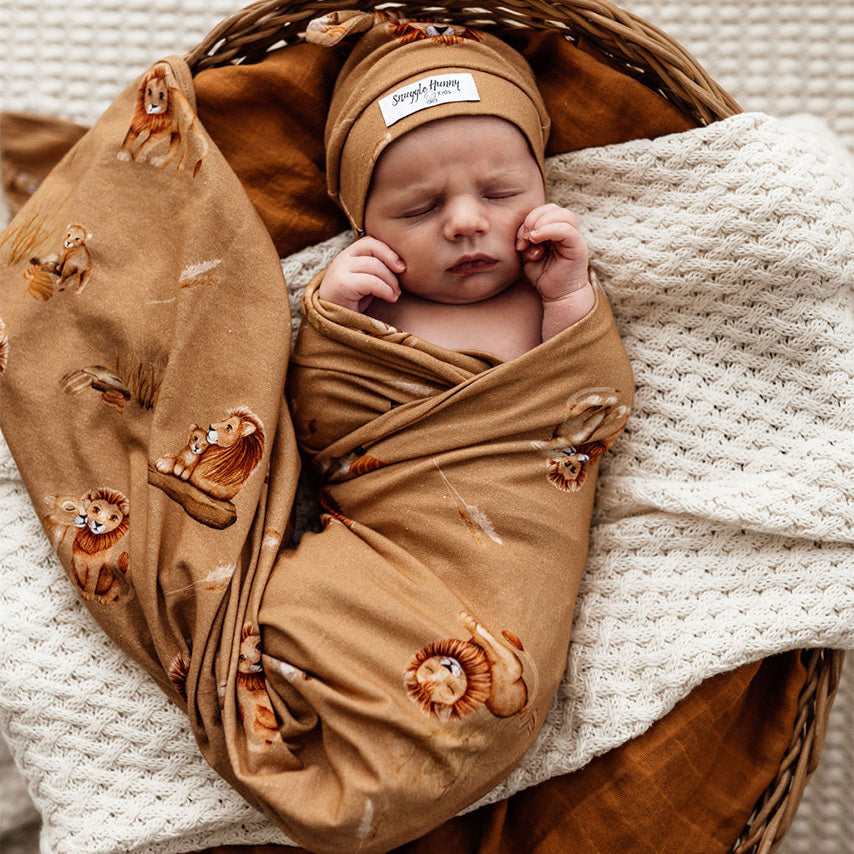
x=369 y=684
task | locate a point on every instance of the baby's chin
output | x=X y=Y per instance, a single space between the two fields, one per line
x=473 y=293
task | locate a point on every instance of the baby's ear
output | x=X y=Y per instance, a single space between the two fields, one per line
x=336 y=26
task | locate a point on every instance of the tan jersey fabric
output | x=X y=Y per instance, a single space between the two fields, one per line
x=392 y=669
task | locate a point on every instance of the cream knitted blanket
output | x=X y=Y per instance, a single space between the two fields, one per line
x=724 y=528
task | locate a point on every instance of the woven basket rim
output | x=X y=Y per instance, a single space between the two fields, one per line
x=775 y=810
x=641 y=50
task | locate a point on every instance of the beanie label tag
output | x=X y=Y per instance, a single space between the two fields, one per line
x=428 y=92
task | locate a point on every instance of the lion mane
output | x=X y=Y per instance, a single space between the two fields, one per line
x=568 y=467
x=4 y=347
x=407 y=31
x=179 y=671
x=162 y=112
x=91 y=543
x=154 y=123
x=221 y=471
x=473 y=661
x=96 y=570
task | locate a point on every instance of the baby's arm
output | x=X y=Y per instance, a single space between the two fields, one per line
x=554 y=257
x=363 y=271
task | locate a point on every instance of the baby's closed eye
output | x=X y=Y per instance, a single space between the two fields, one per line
x=499 y=194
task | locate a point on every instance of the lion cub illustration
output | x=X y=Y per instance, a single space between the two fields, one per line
x=74 y=259
x=451 y=678
x=99 y=566
x=567 y=468
x=188 y=457
x=73 y=264
x=59 y=519
x=233 y=448
x=162 y=114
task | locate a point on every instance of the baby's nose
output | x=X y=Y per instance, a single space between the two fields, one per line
x=466 y=217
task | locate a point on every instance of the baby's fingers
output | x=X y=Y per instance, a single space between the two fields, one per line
x=562 y=235
x=371 y=247
x=533 y=227
x=375 y=277
x=549 y=213
x=533 y=252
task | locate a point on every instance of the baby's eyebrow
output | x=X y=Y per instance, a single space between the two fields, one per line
x=413 y=192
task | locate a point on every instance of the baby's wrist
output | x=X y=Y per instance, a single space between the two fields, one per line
x=571 y=289
x=561 y=312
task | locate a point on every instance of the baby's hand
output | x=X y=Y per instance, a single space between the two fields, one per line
x=554 y=253
x=365 y=270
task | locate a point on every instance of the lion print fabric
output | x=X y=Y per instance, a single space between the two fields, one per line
x=367 y=684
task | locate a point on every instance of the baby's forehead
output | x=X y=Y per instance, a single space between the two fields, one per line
x=486 y=143
x=451 y=127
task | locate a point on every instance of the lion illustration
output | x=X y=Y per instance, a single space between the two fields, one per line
x=179 y=671
x=567 y=468
x=234 y=447
x=59 y=519
x=336 y=26
x=411 y=31
x=593 y=411
x=571 y=450
x=356 y=462
x=99 y=566
x=55 y=271
x=74 y=259
x=451 y=678
x=162 y=114
x=42 y=274
x=253 y=701
x=4 y=347
x=188 y=457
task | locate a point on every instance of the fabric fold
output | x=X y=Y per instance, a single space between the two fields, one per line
x=409 y=667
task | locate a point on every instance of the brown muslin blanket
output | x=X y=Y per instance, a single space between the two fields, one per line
x=370 y=683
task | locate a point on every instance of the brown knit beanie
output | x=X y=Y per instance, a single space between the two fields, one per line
x=402 y=74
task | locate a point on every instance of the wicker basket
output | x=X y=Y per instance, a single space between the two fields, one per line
x=642 y=50
x=647 y=54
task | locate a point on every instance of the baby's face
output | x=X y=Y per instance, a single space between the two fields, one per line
x=449 y=197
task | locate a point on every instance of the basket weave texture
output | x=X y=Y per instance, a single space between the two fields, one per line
x=641 y=49
x=649 y=55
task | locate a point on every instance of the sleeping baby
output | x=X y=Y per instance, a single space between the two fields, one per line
x=443 y=177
